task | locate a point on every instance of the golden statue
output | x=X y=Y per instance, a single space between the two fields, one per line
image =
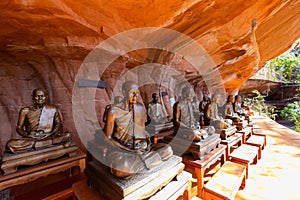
x=125 y=131
x=155 y=111
x=40 y=126
x=213 y=116
x=229 y=111
x=203 y=110
x=185 y=122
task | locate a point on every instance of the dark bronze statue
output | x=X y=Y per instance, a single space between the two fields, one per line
x=203 y=105
x=213 y=117
x=229 y=111
x=125 y=132
x=237 y=107
x=40 y=126
x=155 y=111
x=185 y=123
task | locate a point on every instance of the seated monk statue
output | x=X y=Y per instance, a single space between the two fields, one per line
x=132 y=151
x=202 y=110
x=40 y=126
x=155 y=111
x=213 y=117
x=237 y=107
x=229 y=112
x=185 y=123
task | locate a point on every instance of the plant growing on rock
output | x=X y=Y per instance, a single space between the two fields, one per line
x=258 y=104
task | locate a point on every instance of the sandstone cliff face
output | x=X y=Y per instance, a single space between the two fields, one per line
x=44 y=43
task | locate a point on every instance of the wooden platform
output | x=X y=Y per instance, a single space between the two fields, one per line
x=199 y=166
x=225 y=133
x=32 y=173
x=241 y=124
x=260 y=132
x=245 y=155
x=140 y=186
x=258 y=141
x=199 y=149
x=247 y=132
x=11 y=162
x=226 y=182
x=234 y=140
x=178 y=188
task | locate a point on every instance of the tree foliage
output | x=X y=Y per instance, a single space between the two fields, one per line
x=287 y=65
x=258 y=104
x=291 y=112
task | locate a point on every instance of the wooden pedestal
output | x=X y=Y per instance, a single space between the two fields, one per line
x=10 y=162
x=226 y=182
x=32 y=173
x=231 y=141
x=258 y=141
x=225 y=133
x=199 y=166
x=139 y=186
x=245 y=155
x=197 y=149
x=247 y=132
x=177 y=188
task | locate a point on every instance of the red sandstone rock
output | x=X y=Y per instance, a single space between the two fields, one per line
x=43 y=44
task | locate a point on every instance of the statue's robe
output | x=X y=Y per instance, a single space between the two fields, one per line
x=129 y=129
x=43 y=128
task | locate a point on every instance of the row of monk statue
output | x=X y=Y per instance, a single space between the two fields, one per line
x=40 y=125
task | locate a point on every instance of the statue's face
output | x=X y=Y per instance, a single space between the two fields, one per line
x=231 y=99
x=188 y=94
x=216 y=99
x=155 y=97
x=39 y=98
x=133 y=95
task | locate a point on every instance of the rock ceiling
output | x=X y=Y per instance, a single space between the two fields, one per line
x=44 y=43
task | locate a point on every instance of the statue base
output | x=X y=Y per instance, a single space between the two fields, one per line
x=241 y=124
x=11 y=162
x=225 y=133
x=197 y=149
x=158 y=128
x=138 y=186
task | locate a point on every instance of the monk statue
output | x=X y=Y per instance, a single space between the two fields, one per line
x=237 y=107
x=202 y=110
x=132 y=151
x=213 y=117
x=155 y=111
x=40 y=126
x=229 y=111
x=185 y=123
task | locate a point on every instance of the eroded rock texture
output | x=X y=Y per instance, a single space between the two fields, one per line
x=44 y=43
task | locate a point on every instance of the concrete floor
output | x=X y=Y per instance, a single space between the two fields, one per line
x=276 y=176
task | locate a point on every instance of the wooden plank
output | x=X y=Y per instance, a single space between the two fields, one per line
x=199 y=166
x=42 y=170
x=226 y=182
x=175 y=188
x=82 y=191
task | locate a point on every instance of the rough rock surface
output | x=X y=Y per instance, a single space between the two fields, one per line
x=44 y=43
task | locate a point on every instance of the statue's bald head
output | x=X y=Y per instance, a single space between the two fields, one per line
x=130 y=91
x=187 y=92
x=35 y=91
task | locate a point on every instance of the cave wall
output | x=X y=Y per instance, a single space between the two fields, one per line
x=44 y=43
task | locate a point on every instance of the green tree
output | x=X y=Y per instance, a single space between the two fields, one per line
x=287 y=65
x=258 y=104
x=292 y=112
